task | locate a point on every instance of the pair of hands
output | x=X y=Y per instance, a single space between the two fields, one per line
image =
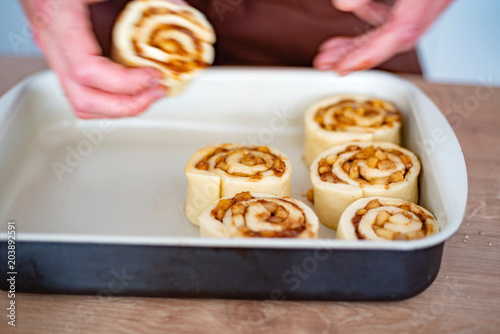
x=99 y=88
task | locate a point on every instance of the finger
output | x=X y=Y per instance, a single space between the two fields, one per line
x=374 y=13
x=179 y=2
x=89 y=102
x=379 y=47
x=349 y=5
x=332 y=51
x=335 y=42
x=101 y=73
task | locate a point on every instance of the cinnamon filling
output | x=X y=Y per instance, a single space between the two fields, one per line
x=191 y=61
x=383 y=217
x=153 y=11
x=373 y=157
x=370 y=114
x=252 y=156
x=276 y=213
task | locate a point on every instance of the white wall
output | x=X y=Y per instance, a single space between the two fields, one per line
x=462 y=46
x=15 y=36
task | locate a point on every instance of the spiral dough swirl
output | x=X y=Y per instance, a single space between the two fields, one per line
x=386 y=219
x=348 y=114
x=355 y=170
x=340 y=119
x=173 y=38
x=370 y=165
x=252 y=162
x=259 y=215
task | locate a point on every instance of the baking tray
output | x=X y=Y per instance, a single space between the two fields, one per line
x=112 y=222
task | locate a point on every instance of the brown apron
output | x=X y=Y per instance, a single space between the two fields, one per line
x=267 y=32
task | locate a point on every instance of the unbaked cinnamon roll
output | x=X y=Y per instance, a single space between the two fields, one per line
x=343 y=118
x=223 y=170
x=348 y=172
x=248 y=215
x=380 y=218
x=175 y=39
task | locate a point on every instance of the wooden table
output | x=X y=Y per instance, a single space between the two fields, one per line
x=465 y=298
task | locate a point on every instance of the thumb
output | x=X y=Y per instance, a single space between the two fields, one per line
x=349 y=5
x=369 y=11
x=380 y=45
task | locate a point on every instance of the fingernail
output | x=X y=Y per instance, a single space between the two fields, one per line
x=151 y=82
x=349 y=67
x=344 y=73
x=159 y=92
x=324 y=66
x=344 y=4
x=155 y=77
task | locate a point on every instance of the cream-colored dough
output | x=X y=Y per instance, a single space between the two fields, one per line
x=331 y=199
x=206 y=186
x=299 y=222
x=394 y=219
x=318 y=139
x=185 y=29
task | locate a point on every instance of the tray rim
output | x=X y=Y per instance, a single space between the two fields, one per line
x=9 y=101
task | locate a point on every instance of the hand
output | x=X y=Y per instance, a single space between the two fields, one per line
x=398 y=31
x=95 y=86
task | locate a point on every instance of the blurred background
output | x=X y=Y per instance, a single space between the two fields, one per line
x=463 y=46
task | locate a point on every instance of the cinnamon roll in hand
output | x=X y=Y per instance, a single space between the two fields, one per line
x=176 y=39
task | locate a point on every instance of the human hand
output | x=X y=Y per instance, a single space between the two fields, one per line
x=95 y=86
x=398 y=30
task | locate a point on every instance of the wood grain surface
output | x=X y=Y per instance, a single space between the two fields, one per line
x=465 y=298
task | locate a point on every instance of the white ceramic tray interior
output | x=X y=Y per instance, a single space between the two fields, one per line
x=126 y=184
